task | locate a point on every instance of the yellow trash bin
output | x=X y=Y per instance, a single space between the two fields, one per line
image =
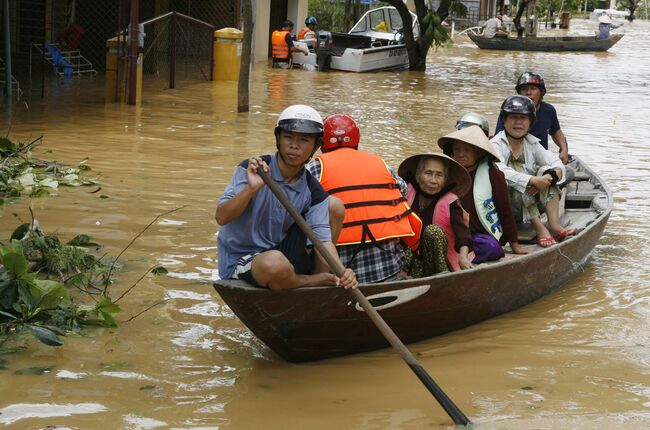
x=227 y=54
x=117 y=74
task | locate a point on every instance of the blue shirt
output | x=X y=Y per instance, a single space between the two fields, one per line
x=265 y=222
x=604 y=29
x=546 y=123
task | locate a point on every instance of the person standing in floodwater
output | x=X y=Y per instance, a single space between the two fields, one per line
x=282 y=46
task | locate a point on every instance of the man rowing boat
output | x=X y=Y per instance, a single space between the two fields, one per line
x=259 y=242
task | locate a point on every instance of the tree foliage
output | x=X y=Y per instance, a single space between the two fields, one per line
x=432 y=32
x=38 y=278
x=335 y=16
x=630 y=5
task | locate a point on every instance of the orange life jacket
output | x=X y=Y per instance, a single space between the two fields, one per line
x=375 y=209
x=303 y=33
x=279 y=47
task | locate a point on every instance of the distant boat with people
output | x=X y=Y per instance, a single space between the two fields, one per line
x=314 y=323
x=376 y=42
x=558 y=43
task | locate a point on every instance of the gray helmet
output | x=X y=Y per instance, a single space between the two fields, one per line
x=531 y=78
x=521 y=105
x=472 y=118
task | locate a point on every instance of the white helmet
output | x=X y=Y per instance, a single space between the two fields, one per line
x=472 y=118
x=300 y=119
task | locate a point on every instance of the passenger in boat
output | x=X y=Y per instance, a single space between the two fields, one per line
x=492 y=26
x=309 y=31
x=378 y=224
x=532 y=85
x=472 y=118
x=532 y=172
x=490 y=215
x=435 y=182
x=282 y=46
x=259 y=241
x=605 y=25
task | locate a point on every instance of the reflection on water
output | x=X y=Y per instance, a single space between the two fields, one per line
x=576 y=359
x=16 y=412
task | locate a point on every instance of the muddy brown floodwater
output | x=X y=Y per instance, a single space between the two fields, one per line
x=578 y=358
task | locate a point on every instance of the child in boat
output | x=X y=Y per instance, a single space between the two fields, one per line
x=435 y=181
x=532 y=172
x=490 y=216
x=259 y=242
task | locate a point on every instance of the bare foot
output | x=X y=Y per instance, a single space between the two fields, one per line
x=517 y=248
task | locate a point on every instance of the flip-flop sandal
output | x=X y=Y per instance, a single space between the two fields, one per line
x=565 y=233
x=547 y=241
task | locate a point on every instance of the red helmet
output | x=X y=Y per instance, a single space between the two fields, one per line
x=340 y=131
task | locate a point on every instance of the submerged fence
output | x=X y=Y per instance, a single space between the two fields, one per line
x=178 y=47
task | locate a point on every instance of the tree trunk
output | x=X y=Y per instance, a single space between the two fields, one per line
x=417 y=49
x=245 y=64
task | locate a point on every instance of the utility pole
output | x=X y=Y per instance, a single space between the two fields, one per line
x=133 y=52
x=8 y=86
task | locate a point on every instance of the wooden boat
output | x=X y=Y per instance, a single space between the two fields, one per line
x=560 y=43
x=315 y=323
x=363 y=49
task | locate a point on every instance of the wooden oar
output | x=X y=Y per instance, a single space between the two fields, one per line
x=447 y=404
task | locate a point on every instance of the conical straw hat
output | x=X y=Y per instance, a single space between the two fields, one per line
x=472 y=135
x=605 y=19
x=457 y=173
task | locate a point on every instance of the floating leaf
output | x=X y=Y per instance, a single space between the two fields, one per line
x=82 y=240
x=8 y=315
x=147 y=387
x=45 y=335
x=7 y=146
x=15 y=263
x=27 y=179
x=12 y=350
x=20 y=231
x=160 y=271
x=49 y=183
x=39 y=192
x=103 y=196
x=52 y=293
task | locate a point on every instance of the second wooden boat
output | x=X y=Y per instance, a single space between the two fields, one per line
x=560 y=43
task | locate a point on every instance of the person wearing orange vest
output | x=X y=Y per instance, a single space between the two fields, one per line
x=435 y=183
x=309 y=31
x=378 y=224
x=282 y=45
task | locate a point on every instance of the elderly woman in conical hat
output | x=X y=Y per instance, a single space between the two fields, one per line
x=492 y=223
x=435 y=182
